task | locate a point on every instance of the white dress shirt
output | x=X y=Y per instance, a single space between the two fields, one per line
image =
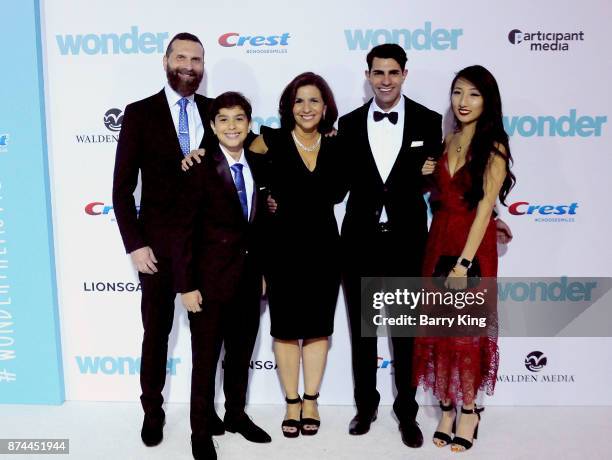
x=386 y=141
x=246 y=172
x=196 y=128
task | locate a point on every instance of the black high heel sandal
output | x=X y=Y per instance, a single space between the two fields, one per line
x=458 y=441
x=441 y=436
x=310 y=422
x=291 y=422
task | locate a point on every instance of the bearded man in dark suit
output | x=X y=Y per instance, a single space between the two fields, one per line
x=155 y=135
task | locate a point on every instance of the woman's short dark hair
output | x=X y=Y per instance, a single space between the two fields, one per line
x=287 y=101
x=228 y=100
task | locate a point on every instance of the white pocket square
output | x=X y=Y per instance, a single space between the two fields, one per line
x=416 y=144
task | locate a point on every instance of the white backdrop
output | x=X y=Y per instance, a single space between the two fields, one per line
x=90 y=71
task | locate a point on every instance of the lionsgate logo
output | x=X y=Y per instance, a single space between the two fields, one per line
x=112 y=120
x=111 y=286
x=545 y=41
x=535 y=362
x=258 y=365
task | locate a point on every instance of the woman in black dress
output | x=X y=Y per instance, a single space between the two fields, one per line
x=302 y=272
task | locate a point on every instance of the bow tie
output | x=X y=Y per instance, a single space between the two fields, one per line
x=392 y=116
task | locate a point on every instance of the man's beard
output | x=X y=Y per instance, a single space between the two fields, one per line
x=183 y=87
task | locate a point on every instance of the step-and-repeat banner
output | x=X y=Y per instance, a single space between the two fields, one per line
x=30 y=355
x=548 y=58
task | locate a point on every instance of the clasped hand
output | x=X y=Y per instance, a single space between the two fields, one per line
x=457 y=279
x=192 y=301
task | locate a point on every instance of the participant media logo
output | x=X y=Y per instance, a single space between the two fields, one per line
x=112 y=119
x=570 y=125
x=254 y=44
x=545 y=41
x=426 y=38
x=545 y=212
x=4 y=141
x=535 y=361
x=132 y=42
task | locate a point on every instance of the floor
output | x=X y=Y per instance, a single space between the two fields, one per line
x=112 y=431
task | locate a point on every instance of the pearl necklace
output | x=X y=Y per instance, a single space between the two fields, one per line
x=312 y=148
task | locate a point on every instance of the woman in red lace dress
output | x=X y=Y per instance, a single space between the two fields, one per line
x=472 y=173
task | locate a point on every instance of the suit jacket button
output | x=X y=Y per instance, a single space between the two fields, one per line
x=377 y=213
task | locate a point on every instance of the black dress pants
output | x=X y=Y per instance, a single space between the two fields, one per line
x=384 y=254
x=157 y=309
x=233 y=323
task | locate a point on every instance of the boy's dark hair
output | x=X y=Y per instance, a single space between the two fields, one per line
x=228 y=100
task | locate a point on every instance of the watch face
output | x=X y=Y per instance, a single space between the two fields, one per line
x=465 y=263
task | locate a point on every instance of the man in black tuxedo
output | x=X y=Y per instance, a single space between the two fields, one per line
x=155 y=135
x=386 y=142
x=217 y=268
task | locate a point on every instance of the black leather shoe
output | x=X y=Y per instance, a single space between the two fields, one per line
x=361 y=422
x=411 y=433
x=203 y=449
x=152 y=431
x=248 y=429
x=216 y=425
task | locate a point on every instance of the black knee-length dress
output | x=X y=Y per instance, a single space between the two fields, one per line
x=302 y=242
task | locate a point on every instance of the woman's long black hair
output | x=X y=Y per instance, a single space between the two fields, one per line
x=488 y=136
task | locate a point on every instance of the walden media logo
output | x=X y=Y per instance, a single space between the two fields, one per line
x=570 y=125
x=545 y=41
x=535 y=361
x=132 y=42
x=422 y=39
x=113 y=118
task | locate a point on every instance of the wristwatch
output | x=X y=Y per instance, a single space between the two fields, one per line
x=463 y=262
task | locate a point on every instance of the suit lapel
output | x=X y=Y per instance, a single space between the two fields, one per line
x=254 y=198
x=407 y=137
x=203 y=105
x=223 y=171
x=362 y=131
x=167 y=131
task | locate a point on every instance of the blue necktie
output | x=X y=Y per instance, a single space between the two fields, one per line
x=239 y=181
x=183 y=128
